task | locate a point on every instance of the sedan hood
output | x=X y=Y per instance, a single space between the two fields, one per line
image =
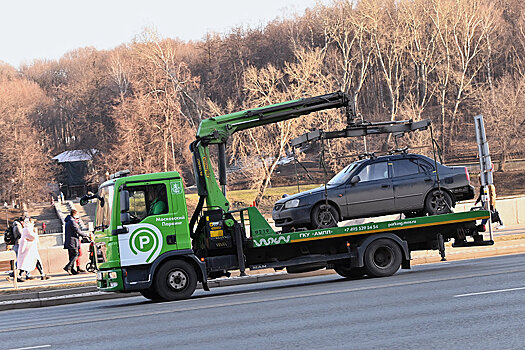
x=303 y=194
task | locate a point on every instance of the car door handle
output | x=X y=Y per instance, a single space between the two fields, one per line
x=385 y=186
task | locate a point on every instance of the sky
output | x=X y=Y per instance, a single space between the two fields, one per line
x=38 y=29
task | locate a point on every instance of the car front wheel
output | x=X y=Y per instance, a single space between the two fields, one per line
x=324 y=216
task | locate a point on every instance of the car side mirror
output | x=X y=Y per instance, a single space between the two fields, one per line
x=124 y=201
x=355 y=180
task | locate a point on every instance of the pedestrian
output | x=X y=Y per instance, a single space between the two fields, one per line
x=44 y=228
x=17 y=233
x=72 y=241
x=28 y=256
x=492 y=203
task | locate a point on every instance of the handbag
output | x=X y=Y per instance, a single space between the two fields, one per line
x=495 y=216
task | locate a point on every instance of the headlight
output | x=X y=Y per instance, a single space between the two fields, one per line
x=291 y=204
x=112 y=275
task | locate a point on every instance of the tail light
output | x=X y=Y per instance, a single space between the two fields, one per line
x=468 y=176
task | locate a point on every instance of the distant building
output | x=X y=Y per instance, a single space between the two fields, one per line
x=75 y=166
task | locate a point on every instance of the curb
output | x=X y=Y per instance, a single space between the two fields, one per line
x=90 y=293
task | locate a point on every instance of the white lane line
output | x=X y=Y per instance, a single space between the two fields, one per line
x=33 y=347
x=489 y=292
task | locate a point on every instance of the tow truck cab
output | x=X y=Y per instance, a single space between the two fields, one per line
x=131 y=242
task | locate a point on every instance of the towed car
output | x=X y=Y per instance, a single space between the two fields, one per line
x=400 y=183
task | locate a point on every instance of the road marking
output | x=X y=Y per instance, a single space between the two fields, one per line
x=246 y=302
x=33 y=347
x=489 y=292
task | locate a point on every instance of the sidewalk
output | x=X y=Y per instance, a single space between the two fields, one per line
x=66 y=289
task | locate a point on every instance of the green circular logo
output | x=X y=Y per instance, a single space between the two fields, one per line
x=143 y=240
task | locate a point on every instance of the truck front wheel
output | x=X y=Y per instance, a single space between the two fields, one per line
x=175 y=280
x=382 y=258
x=150 y=294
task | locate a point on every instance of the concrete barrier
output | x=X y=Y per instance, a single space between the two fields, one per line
x=55 y=258
x=511 y=209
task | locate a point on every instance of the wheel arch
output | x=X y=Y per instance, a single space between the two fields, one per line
x=361 y=248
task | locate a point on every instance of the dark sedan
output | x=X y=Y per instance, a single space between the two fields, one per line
x=401 y=183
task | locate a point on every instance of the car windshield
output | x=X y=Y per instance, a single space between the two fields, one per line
x=344 y=174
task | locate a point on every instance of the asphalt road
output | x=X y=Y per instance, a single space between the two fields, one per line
x=455 y=305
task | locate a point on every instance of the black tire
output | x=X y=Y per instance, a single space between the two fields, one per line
x=350 y=273
x=175 y=280
x=382 y=258
x=324 y=216
x=438 y=202
x=90 y=267
x=150 y=294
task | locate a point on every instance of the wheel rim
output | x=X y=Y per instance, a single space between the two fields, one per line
x=325 y=217
x=383 y=257
x=177 y=279
x=438 y=202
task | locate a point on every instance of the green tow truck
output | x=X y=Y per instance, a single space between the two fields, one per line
x=146 y=242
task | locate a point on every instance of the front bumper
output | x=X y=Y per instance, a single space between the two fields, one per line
x=110 y=280
x=291 y=217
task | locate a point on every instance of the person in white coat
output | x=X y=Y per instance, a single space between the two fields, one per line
x=28 y=256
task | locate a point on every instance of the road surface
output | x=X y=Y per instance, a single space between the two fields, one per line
x=470 y=304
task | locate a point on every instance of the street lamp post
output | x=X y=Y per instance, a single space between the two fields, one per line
x=6 y=215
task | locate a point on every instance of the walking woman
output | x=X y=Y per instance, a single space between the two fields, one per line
x=28 y=256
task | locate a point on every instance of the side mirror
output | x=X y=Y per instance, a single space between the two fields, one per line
x=355 y=180
x=86 y=198
x=124 y=201
x=125 y=218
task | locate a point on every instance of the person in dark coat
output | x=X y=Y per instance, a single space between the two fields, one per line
x=72 y=240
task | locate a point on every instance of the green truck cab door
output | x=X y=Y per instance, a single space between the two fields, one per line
x=180 y=236
x=158 y=221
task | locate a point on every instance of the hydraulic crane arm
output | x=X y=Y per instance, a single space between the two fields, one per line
x=219 y=129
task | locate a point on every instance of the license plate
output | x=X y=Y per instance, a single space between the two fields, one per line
x=99 y=275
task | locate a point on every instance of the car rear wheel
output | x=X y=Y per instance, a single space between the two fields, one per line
x=324 y=216
x=438 y=202
x=382 y=258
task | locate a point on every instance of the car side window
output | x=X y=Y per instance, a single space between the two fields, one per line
x=405 y=167
x=374 y=171
x=424 y=167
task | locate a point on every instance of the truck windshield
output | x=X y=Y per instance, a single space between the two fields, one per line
x=344 y=174
x=105 y=203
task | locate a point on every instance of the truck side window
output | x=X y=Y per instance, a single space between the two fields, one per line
x=156 y=199
x=147 y=200
x=137 y=204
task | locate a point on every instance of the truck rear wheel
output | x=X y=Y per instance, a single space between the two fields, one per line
x=382 y=258
x=347 y=272
x=175 y=280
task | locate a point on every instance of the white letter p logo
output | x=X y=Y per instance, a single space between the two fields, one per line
x=143 y=240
